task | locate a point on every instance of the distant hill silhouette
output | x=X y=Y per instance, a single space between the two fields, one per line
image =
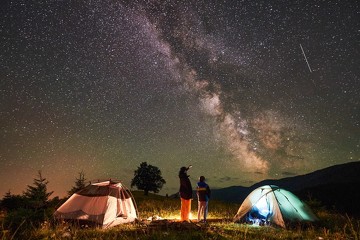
x=336 y=187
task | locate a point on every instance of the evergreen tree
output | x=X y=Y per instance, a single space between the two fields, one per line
x=11 y=202
x=37 y=194
x=79 y=184
x=148 y=178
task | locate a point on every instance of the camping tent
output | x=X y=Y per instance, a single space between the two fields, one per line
x=106 y=203
x=270 y=204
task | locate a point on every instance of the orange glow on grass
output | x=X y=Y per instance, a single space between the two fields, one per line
x=177 y=217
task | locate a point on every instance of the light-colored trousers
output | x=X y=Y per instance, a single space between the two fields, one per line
x=185 y=209
x=202 y=210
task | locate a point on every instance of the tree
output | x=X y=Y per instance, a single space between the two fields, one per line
x=37 y=195
x=79 y=184
x=148 y=178
x=11 y=202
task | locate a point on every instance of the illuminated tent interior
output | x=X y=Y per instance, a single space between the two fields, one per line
x=106 y=203
x=270 y=204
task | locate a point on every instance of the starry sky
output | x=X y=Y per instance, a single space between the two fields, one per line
x=242 y=90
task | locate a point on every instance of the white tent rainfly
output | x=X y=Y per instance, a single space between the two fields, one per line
x=106 y=203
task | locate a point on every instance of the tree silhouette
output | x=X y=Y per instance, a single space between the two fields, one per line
x=12 y=202
x=79 y=184
x=37 y=194
x=148 y=178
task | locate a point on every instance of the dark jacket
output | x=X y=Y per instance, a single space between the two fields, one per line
x=203 y=191
x=185 y=186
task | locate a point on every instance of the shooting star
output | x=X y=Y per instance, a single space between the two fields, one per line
x=305 y=58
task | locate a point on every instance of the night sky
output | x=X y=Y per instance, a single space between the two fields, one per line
x=242 y=90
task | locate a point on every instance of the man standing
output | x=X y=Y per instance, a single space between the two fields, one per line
x=203 y=193
x=185 y=193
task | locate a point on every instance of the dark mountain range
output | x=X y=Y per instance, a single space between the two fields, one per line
x=336 y=187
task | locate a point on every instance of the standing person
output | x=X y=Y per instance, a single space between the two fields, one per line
x=203 y=193
x=185 y=193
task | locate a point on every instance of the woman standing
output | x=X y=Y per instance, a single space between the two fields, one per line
x=185 y=193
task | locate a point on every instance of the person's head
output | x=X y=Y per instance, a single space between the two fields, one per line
x=183 y=170
x=202 y=179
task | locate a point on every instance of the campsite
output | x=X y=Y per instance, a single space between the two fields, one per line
x=112 y=211
x=259 y=98
x=158 y=220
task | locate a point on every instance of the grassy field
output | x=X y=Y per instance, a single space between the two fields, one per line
x=159 y=219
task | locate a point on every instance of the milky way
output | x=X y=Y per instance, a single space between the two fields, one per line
x=102 y=86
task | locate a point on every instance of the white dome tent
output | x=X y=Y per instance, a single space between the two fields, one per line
x=105 y=203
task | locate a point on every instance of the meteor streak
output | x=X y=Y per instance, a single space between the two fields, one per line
x=305 y=58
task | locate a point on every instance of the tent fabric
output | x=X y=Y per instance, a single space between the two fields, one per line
x=271 y=204
x=105 y=203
